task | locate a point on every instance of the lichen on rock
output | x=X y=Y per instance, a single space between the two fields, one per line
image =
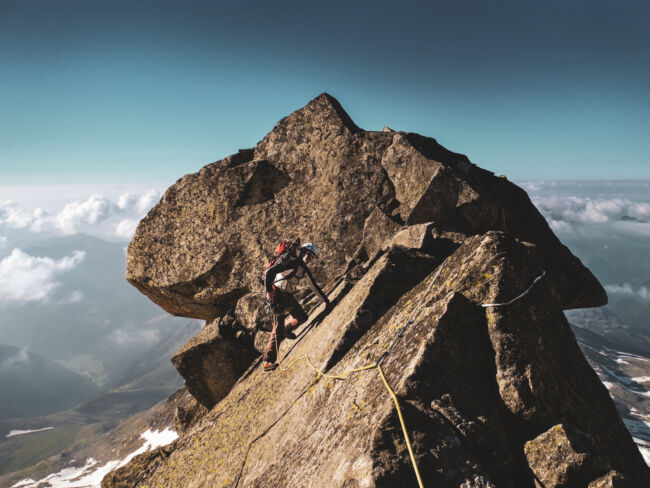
x=444 y=273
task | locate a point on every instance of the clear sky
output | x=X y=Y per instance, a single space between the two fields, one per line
x=146 y=91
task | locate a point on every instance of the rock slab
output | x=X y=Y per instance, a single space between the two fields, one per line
x=479 y=387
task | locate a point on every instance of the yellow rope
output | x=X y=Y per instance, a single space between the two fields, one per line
x=344 y=376
x=377 y=366
x=401 y=421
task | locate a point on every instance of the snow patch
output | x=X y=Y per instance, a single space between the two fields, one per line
x=608 y=385
x=644 y=449
x=23 y=483
x=86 y=477
x=640 y=431
x=14 y=433
x=625 y=381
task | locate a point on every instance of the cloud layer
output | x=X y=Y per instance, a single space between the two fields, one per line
x=593 y=207
x=25 y=278
x=585 y=210
x=96 y=215
x=626 y=290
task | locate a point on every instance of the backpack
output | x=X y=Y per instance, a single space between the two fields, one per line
x=282 y=250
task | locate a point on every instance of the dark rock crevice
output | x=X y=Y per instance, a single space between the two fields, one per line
x=262 y=185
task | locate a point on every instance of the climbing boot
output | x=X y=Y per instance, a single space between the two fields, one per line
x=270 y=366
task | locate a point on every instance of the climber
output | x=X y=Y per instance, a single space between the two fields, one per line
x=280 y=282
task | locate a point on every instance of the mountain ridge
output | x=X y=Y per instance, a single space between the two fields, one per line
x=401 y=221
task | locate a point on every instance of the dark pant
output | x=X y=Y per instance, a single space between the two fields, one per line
x=284 y=305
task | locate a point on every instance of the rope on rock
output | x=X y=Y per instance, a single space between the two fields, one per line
x=391 y=392
x=485 y=305
x=377 y=364
x=401 y=421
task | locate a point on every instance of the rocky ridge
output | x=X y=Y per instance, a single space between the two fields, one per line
x=417 y=239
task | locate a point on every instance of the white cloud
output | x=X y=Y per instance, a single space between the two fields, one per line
x=74 y=297
x=126 y=228
x=13 y=217
x=97 y=215
x=641 y=293
x=76 y=215
x=587 y=210
x=560 y=226
x=533 y=186
x=25 y=278
x=135 y=336
x=139 y=203
x=600 y=210
x=20 y=357
x=127 y=200
x=147 y=201
x=3 y=242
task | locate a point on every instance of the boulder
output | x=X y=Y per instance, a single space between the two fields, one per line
x=187 y=411
x=440 y=272
x=138 y=469
x=251 y=312
x=417 y=236
x=474 y=384
x=212 y=361
x=423 y=186
x=377 y=231
x=612 y=479
x=320 y=177
x=560 y=457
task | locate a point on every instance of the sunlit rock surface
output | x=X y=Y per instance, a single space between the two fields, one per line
x=445 y=273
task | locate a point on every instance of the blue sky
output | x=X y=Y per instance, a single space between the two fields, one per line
x=124 y=91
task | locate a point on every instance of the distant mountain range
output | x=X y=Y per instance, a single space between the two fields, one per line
x=33 y=385
x=81 y=366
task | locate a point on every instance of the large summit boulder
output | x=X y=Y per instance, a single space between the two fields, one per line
x=318 y=176
x=441 y=272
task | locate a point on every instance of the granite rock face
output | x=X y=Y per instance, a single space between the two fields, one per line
x=482 y=389
x=442 y=273
x=562 y=457
x=212 y=361
x=318 y=176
